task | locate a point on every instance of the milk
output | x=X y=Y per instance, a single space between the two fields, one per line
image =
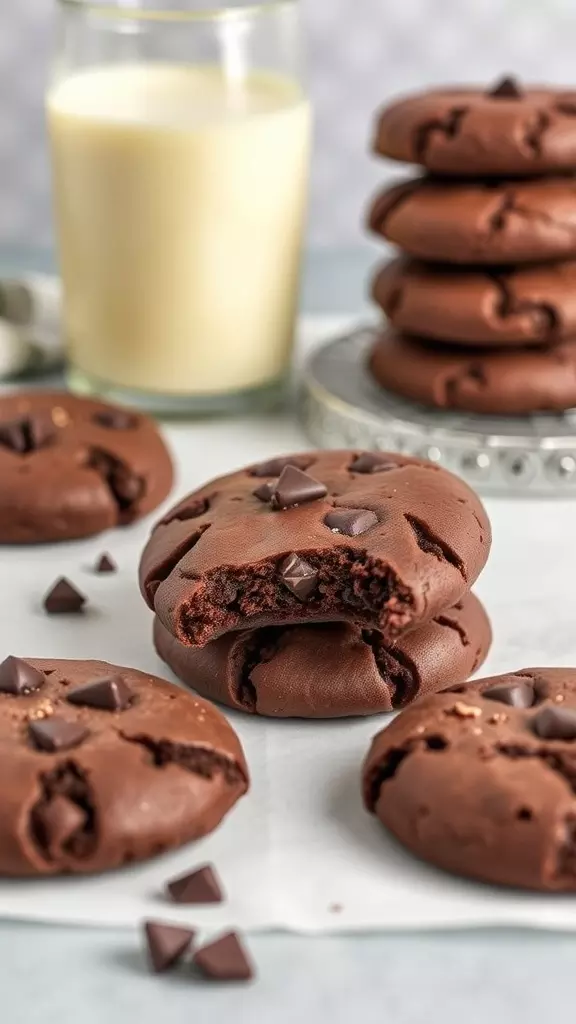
x=180 y=200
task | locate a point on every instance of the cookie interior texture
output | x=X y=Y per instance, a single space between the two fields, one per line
x=228 y=558
x=72 y=467
x=481 y=780
x=107 y=766
x=330 y=670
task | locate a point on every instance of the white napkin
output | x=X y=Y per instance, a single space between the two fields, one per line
x=30 y=330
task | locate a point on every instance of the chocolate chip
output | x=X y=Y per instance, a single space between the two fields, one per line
x=27 y=435
x=506 y=89
x=265 y=491
x=166 y=943
x=372 y=462
x=114 y=419
x=106 y=694
x=555 y=724
x=64 y=599
x=12 y=437
x=201 y=886
x=127 y=486
x=275 y=466
x=55 y=734
x=58 y=821
x=351 y=521
x=224 y=960
x=18 y=677
x=294 y=488
x=300 y=578
x=105 y=564
x=516 y=695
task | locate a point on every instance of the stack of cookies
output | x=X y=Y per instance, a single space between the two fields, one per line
x=321 y=585
x=482 y=305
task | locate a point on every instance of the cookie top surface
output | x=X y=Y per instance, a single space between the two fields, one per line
x=494 y=307
x=72 y=467
x=375 y=538
x=499 y=130
x=106 y=765
x=479 y=222
x=480 y=780
x=331 y=669
x=506 y=382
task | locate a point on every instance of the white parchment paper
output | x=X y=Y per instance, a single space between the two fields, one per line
x=299 y=852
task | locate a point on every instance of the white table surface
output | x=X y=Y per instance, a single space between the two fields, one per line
x=83 y=976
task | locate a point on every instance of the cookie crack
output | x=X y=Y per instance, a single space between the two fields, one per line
x=563 y=766
x=388 y=201
x=66 y=785
x=498 y=219
x=543 y=314
x=535 y=131
x=388 y=766
x=394 y=667
x=193 y=758
x=554 y=760
x=126 y=487
x=183 y=513
x=473 y=374
x=449 y=623
x=394 y=301
x=259 y=651
x=433 y=545
x=170 y=562
x=450 y=126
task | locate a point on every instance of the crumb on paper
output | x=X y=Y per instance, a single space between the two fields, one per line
x=335 y=908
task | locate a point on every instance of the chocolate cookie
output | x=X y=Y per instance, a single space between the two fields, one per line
x=479 y=222
x=331 y=669
x=503 y=382
x=381 y=540
x=72 y=467
x=480 y=780
x=103 y=766
x=504 y=306
x=504 y=129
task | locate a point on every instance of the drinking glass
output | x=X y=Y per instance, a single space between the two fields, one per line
x=180 y=151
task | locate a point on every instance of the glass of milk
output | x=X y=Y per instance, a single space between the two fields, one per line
x=180 y=137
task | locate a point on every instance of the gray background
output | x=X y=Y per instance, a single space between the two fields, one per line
x=361 y=51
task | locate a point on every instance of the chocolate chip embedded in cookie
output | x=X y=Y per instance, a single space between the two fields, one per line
x=520 y=306
x=480 y=780
x=224 y=559
x=504 y=129
x=523 y=221
x=107 y=766
x=72 y=467
x=331 y=669
x=499 y=381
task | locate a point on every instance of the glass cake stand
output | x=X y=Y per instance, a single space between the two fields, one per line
x=340 y=406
